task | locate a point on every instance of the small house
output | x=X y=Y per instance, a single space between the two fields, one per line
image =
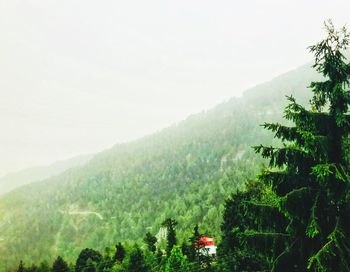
x=205 y=245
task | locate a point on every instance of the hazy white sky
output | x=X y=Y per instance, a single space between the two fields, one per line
x=77 y=76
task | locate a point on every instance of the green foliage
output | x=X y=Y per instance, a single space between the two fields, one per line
x=190 y=250
x=60 y=265
x=297 y=217
x=43 y=267
x=326 y=245
x=150 y=241
x=20 y=267
x=88 y=260
x=252 y=230
x=170 y=225
x=177 y=262
x=136 y=261
x=309 y=178
x=119 y=253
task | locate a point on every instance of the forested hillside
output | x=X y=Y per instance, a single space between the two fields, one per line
x=185 y=171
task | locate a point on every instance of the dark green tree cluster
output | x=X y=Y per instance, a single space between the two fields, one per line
x=250 y=220
x=88 y=260
x=152 y=257
x=307 y=179
x=59 y=265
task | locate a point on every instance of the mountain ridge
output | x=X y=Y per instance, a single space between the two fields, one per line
x=26 y=176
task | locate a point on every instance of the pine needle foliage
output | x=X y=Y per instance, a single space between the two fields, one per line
x=170 y=225
x=252 y=230
x=309 y=173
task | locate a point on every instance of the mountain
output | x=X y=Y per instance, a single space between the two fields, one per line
x=17 y=179
x=184 y=171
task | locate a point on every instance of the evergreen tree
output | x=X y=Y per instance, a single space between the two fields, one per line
x=191 y=250
x=59 y=265
x=119 y=253
x=309 y=173
x=159 y=256
x=177 y=262
x=150 y=241
x=248 y=213
x=20 y=267
x=106 y=261
x=88 y=260
x=170 y=225
x=32 y=268
x=44 y=267
x=194 y=244
x=136 y=260
x=90 y=266
x=186 y=250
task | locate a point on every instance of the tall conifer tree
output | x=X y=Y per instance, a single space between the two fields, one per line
x=60 y=265
x=119 y=253
x=20 y=267
x=170 y=225
x=150 y=241
x=309 y=173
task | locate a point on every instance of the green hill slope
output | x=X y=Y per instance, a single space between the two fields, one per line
x=185 y=171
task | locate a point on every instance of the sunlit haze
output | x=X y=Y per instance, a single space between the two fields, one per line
x=78 y=76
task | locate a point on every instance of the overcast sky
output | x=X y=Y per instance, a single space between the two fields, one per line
x=77 y=76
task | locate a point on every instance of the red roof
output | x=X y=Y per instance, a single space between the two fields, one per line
x=204 y=241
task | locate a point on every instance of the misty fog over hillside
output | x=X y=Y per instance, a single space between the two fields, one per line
x=80 y=77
